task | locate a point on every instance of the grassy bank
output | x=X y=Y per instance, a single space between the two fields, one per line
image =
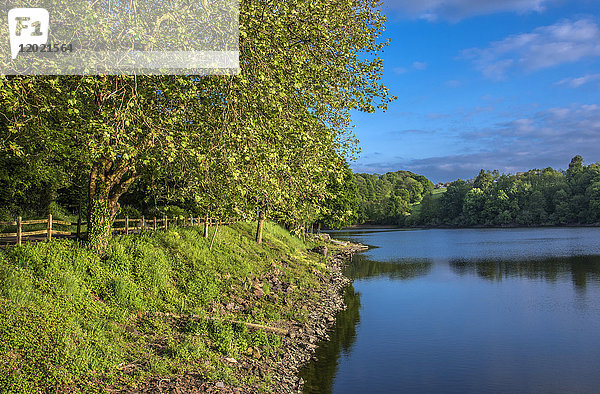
x=73 y=320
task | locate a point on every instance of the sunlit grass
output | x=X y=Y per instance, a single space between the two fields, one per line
x=70 y=318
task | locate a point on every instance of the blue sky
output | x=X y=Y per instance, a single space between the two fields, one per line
x=507 y=84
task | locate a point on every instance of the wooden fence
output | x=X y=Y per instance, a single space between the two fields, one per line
x=120 y=226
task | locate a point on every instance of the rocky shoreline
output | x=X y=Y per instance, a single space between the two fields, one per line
x=301 y=342
x=298 y=346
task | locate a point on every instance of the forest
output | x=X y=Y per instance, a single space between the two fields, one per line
x=536 y=197
x=533 y=198
x=388 y=198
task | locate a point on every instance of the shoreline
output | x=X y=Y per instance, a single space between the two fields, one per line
x=298 y=345
x=445 y=226
x=302 y=341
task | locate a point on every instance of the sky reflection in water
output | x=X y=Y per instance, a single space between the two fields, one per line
x=490 y=310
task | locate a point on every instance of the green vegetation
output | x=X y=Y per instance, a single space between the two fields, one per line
x=537 y=197
x=388 y=198
x=533 y=198
x=73 y=319
x=272 y=142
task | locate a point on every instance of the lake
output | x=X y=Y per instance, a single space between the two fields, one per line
x=466 y=311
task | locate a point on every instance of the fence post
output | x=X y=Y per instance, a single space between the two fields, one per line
x=206 y=226
x=175 y=221
x=19 y=231
x=49 y=236
x=126 y=225
x=154 y=223
x=143 y=222
x=79 y=226
x=165 y=219
x=191 y=221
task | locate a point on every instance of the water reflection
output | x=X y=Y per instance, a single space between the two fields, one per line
x=472 y=310
x=362 y=267
x=579 y=269
x=318 y=375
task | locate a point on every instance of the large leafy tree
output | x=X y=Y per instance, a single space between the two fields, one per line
x=114 y=127
x=264 y=142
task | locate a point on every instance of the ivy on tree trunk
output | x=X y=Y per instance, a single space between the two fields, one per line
x=108 y=181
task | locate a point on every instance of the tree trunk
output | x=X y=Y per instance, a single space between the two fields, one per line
x=206 y=226
x=259 y=228
x=108 y=181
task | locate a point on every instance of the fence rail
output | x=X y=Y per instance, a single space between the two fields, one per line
x=129 y=226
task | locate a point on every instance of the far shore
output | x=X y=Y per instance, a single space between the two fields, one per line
x=390 y=226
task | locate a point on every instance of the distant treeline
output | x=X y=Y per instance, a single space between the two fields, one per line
x=387 y=199
x=537 y=197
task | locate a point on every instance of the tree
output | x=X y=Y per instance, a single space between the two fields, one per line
x=473 y=206
x=452 y=200
x=259 y=144
x=483 y=180
x=340 y=207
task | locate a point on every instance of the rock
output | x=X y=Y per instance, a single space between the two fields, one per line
x=221 y=385
x=259 y=293
x=322 y=250
x=335 y=241
x=231 y=360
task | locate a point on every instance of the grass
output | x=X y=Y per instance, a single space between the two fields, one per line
x=73 y=320
x=58 y=213
x=437 y=193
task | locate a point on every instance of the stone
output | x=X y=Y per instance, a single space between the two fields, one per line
x=322 y=250
x=339 y=242
x=259 y=293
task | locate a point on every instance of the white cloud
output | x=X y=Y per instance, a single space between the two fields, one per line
x=414 y=65
x=577 y=82
x=419 y=65
x=453 y=84
x=455 y=10
x=564 y=42
x=550 y=137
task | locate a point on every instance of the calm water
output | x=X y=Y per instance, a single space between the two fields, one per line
x=467 y=311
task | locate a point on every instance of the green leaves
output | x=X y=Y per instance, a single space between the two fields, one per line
x=274 y=137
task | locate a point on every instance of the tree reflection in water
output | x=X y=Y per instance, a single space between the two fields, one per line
x=361 y=267
x=319 y=374
x=581 y=269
